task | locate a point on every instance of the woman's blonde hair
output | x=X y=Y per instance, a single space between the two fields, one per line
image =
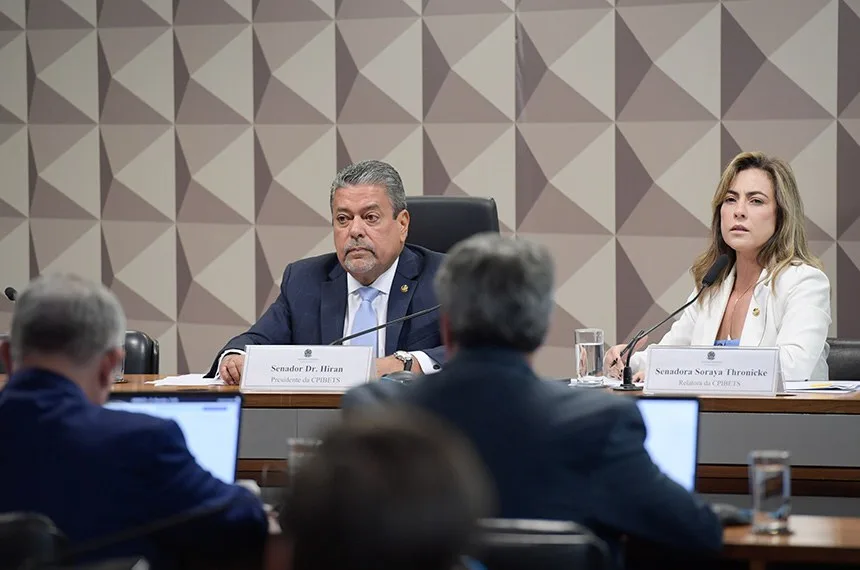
x=788 y=244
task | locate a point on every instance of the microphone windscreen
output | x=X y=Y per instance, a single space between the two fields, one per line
x=715 y=270
x=10 y=293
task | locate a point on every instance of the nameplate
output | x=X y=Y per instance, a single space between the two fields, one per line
x=747 y=371
x=305 y=369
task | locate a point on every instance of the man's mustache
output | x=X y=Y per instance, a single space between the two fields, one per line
x=359 y=245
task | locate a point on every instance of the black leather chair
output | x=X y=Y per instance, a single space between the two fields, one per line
x=844 y=359
x=141 y=353
x=515 y=544
x=439 y=222
x=28 y=540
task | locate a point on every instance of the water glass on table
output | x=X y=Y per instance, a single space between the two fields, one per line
x=770 y=486
x=588 y=357
x=119 y=371
x=299 y=450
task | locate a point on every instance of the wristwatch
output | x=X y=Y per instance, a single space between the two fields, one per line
x=405 y=358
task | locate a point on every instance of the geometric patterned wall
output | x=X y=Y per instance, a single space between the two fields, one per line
x=181 y=151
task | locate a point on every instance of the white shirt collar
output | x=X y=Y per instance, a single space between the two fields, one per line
x=383 y=282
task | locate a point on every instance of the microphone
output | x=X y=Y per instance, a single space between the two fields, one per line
x=384 y=325
x=11 y=293
x=627 y=384
x=400 y=376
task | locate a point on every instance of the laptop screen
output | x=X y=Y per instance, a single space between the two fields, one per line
x=210 y=423
x=672 y=439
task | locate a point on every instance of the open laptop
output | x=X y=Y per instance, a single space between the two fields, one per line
x=209 y=421
x=672 y=439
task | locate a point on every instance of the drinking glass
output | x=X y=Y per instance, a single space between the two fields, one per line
x=588 y=357
x=299 y=450
x=119 y=371
x=770 y=485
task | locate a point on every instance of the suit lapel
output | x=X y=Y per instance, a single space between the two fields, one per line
x=756 y=318
x=400 y=296
x=716 y=309
x=333 y=305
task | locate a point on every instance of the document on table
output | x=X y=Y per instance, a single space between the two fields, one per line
x=822 y=387
x=187 y=380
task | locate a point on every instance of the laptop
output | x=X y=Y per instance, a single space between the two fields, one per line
x=209 y=421
x=672 y=438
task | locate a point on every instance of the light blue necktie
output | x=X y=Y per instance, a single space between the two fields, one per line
x=365 y=318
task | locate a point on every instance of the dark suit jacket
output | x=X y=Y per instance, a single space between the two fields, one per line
x=556 y=452
x=311 y=307
x=96 y=472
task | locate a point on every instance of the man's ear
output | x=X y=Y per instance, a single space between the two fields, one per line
x=403 y=219
x=108 y=366
x=6 y=356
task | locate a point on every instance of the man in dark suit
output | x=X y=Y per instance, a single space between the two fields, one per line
x=554 y=452
x=93 y=471
x=372 y=278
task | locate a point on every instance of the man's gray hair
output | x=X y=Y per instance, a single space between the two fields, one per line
x=497 y=292
x=65 y=315
x=372 y=173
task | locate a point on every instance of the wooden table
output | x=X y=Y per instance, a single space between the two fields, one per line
x=795 y=403
x=814 y=543
x=815 y=540
x=813 y=480
x=271 y=418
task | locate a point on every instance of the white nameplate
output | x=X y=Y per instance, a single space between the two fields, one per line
x=305 y=369
x=748 y=371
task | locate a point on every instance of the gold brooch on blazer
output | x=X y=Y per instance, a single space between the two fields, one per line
x=755 y=311
x=404 y=288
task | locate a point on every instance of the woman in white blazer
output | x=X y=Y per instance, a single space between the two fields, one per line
x=772 y=293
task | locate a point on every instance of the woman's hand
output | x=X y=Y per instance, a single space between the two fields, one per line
x=613 y=362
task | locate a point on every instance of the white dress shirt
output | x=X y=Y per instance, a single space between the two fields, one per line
x=380 y=306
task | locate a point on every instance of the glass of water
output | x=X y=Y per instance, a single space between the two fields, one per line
x=119 y=371
x=770 y=485
x=299 y=450
x=588 y=357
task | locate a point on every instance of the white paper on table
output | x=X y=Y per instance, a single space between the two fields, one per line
x=187 y=380
x=822 y=387
x=606 y=382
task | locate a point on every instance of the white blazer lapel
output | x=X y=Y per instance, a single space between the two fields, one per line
x=756 y=317
x=715 y=308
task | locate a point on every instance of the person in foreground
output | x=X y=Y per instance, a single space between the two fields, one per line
x=772 y=293
x=93 y=471
x=371 y=279
x=554 y=452
x=391 y=491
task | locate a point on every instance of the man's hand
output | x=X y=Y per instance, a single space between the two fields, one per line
x=231 y=368
x=391 y=364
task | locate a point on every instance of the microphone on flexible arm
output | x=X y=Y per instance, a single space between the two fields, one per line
x=627 y=384
x=403 y=376
x=11 y=293
x=408 y=317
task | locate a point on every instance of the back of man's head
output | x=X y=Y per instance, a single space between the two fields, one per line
x=496 y=292
x=68 y=325
x=387 y=491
